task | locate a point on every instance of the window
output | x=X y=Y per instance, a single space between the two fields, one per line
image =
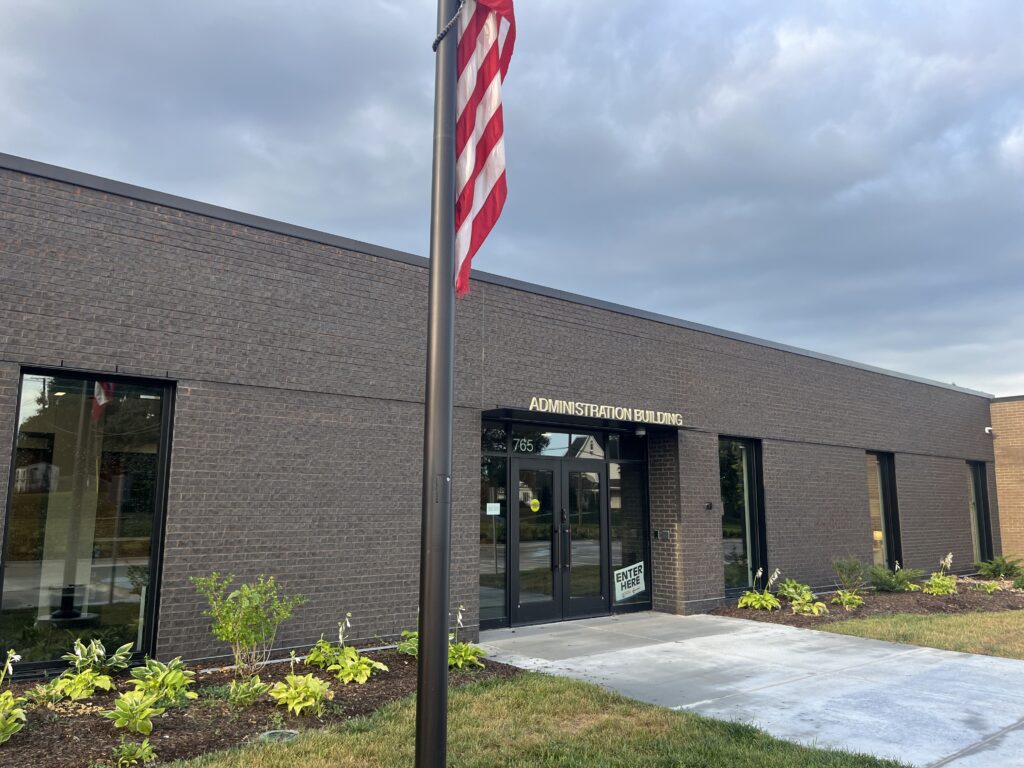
x=83 y=515
x=883 y=510
x=977 y=497
x=743 y=544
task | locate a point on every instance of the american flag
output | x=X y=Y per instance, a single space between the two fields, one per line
x=487 y=33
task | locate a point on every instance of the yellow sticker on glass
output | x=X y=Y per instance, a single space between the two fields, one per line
x=535 y=505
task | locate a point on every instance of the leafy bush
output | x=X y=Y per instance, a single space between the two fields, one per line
x=243 y=693
x=999 y=567
x=128 y=753
x=79 y=686
x=791 y=590
x=325 y=653
x=247 y=618
x=352 y=666
x=1018 y=583
x=851 y=573
x=897 y=580
x=301 y=692
x=169 y=683
x=462 y=655
x=761 y=600
x=848 y=599
x=805 y=604
x=988 y=587
x=134 y=711
x=409 y=644
x=12 y=716
x=93 y=657
x=941 y=582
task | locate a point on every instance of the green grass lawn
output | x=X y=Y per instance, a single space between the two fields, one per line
x=993 y=634
x=535 y=720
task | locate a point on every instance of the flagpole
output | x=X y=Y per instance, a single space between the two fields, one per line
x=435 y=533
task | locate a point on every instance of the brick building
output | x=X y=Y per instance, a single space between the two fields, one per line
x=1008 y=437
x=189 y=388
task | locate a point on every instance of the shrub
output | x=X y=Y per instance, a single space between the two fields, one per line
x=128 y=753
x=851 y=574
x=791 y=589
x=761 y=600
x=806 y=605
x=12 y=715
x=134 y=711
x=941 y=582
x=897 y=580
x=169 y=683
x=999 y=567
x=988 y=587
x=352 y=666
x=848 y=599
x=1018 y=583
x=93 y=657
x=243 y=693
x=247 y=618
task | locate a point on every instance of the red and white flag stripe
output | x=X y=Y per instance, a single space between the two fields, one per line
x=487 y=34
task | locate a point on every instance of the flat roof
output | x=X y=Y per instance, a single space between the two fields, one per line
x=142 y=194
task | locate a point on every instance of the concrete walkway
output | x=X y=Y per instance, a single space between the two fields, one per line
x=920 y=705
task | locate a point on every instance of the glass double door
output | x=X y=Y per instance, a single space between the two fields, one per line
x=560 y=540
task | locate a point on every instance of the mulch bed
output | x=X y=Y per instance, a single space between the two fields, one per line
x=967 y=600
x=74 y=735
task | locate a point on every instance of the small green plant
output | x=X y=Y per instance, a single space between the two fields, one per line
x=129 y=753
x=352 y=666
x=168 y=683
x=1018 y=583
x=895 y=580
x=45 y=693
x=851 y=574
x=79 y=686
x=805 y=604
x=409 y=644
x=791 y=590
x=988 y=587
x=325 y=653
x=134 y=711
x=301 y=692
x=761 y=600
x=849 y=600
x=999 y=567
x=462 y=655
x=246 y=618
x=93 y=657
x=941 y=582
x=12 y=715
x=243 y=693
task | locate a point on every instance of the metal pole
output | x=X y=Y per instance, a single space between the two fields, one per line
x=435 y=536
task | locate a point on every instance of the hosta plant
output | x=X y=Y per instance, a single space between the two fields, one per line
x=79 y=686
x=988 y=587
x=243 y=693
x=12 y=715
x=761 y=600
x=93 y=657
x=129 y=753
x=895 y=580
x=168 y=683
x=462 y=655
x=351 y=666
x=409 y=644
x=134 y=711
x=805 y=604
x=792 y=590
x=325 y=653
x=999 y=567
x=849 y=600
x=941 y=582
x=300 y=693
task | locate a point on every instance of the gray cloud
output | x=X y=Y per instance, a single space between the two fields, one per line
x=843 y=176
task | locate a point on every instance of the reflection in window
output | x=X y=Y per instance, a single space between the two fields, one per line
x=82 y=510
x=734 y=469
x=628 y=530
x=560 y=444
x=876 y=508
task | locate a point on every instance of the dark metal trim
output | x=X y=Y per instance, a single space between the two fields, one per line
x=758 y=547
x=122 y=189
x=890 y=507
x=983 y=518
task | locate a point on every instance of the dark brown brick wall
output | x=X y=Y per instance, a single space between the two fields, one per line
x=299 y=372
x=929 y=530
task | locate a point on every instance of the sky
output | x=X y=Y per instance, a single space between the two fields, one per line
x=846 y=177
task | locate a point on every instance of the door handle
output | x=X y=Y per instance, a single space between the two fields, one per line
x=568 y=547
x=556 y=548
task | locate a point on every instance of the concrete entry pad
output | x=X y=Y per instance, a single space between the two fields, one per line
x=923 y=706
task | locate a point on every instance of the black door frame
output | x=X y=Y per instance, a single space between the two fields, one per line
x=983 y=518
x=561 y=606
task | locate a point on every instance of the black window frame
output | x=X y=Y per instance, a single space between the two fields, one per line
x=758 y=547
x=156 y=555
x=983 y=519
x=890 y=507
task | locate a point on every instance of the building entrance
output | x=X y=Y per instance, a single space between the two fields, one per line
x=563 y=523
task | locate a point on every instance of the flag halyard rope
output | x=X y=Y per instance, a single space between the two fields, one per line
x=447 y=27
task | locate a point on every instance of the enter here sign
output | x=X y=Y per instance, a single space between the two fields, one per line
x=629 y=581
